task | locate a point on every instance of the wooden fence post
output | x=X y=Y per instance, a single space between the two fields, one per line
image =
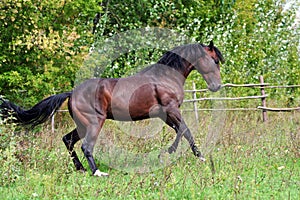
x=263 y=99
x=52 y=124
x=195 y=102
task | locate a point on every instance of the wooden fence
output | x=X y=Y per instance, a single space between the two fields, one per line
x=263 y=96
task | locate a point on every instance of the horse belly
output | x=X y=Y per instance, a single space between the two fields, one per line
x=141 y=104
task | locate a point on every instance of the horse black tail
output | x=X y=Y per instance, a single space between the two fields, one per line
x=38 y=114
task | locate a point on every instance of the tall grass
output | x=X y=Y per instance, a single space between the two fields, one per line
x=250 y=160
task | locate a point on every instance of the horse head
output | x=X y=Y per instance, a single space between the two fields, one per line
x=208 y=64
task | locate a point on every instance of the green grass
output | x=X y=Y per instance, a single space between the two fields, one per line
x=251 y=160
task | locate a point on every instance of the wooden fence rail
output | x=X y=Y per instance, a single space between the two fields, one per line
x=263 y=107
x=225 y=98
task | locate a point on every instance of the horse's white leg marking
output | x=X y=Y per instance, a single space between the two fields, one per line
x=99 y=173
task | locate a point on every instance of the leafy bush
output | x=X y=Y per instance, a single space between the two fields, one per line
x=44 y=43
x=10 y=165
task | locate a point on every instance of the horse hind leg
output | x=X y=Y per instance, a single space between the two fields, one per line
x=70 y=140
x=87 y=147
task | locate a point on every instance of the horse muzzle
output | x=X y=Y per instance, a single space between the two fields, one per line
x=214 y=87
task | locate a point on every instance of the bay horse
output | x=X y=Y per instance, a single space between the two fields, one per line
x=156 y=91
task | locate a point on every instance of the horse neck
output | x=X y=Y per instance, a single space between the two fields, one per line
x=170 y=73
x=187 y=70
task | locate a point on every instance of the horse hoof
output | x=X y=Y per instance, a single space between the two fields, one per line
x=98 y=173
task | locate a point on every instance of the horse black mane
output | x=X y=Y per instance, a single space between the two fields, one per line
x=219 y=54
x=176 y=57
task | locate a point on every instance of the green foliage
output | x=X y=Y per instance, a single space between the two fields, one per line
x=256 y=37
x=261 y=40
x=43 y=44
x=10 y=167
x=187 y=17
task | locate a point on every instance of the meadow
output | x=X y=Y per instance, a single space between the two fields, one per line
x=248 y=159
x=44 y=46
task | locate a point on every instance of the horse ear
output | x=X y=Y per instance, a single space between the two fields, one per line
x=211 y=45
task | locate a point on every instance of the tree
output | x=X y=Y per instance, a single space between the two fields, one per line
x=42 y=44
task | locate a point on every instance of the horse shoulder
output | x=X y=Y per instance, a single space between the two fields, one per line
x=168 y=95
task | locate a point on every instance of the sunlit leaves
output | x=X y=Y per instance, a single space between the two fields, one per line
x=48 y=39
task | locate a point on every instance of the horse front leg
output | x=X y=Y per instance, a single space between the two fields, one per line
x=189 y=137
x=175 y=121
